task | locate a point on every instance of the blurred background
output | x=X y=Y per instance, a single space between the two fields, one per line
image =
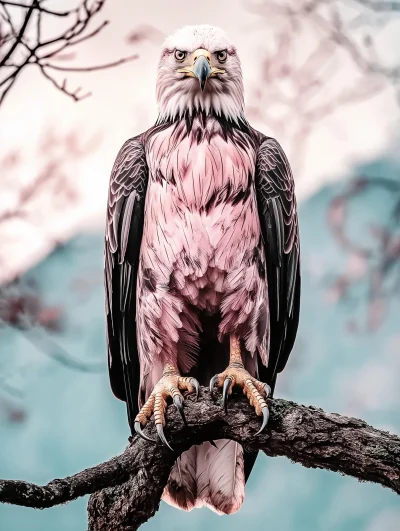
x=323 y=77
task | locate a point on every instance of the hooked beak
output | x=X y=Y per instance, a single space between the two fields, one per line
x=201 y=67
x=202 y=70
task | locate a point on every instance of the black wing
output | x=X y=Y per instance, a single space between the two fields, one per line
x=278 y=217
x=125 y=217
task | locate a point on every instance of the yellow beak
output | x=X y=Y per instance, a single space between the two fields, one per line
x=201 y=67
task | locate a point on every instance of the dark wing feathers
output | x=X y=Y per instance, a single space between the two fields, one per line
x=124 y=229
x=278 y=217
x=125 y=217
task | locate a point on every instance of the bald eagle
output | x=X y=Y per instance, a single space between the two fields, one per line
x=202 y=274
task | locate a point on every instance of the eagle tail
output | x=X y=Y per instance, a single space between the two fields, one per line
x=208 y=476
x=181 y=489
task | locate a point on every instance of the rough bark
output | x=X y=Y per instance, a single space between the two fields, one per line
x=128 y=488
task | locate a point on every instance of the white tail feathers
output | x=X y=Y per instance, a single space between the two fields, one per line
x=226 y=474
x=208 y=476
x=181 y=489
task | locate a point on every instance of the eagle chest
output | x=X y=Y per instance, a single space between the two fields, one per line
x=201 y=219
x=206 y=175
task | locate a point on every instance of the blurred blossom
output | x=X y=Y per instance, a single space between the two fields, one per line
x=145 y=32
x=356 y=266
x=336 y=212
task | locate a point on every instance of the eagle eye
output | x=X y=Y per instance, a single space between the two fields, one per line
x=221 y=56
x=179 y=55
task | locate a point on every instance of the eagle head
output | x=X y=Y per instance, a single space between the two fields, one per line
x=199 y=70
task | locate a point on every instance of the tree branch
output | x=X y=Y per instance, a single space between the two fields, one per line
x=27 y=47
x=21 y=32
x=134 y=481
x=38 y=7
x=91 y=68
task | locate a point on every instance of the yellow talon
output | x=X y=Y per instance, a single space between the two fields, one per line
x=170 y=385
x=237 y=375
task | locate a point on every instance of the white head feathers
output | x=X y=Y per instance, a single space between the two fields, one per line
x=178 y=94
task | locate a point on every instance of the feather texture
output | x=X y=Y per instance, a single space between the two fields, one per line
x=208 y=476
x=201 y=240
x=226 y=477
x=278 y=217
x=125 y=216
x=213 y=232
x=201 y=243
x=181 y=489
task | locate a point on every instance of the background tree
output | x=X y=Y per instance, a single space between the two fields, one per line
x=26 y=44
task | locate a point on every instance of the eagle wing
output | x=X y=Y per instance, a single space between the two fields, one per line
x=124 y=229
x=279 y=226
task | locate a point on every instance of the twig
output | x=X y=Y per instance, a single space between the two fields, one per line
x=63 y=86
x=20 y=35
x=38 y=6
x=91 y=68
x=29 y=48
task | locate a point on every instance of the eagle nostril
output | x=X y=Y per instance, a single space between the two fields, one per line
x=205 y=57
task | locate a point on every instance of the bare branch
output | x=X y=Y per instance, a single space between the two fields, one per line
x=11 y=82
x=91 y=68
x=305 y=435
x=30 y=48
x=20 y=34
x=71 y=42
x=63 y=86
x=38 y=6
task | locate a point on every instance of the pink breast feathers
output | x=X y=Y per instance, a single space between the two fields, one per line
x=201 y=240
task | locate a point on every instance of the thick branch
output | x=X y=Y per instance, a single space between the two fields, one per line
x=134 y=481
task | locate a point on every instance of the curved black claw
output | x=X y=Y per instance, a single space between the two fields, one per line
x=267 y=390
x=196 y=386
x=227 y=384
x=138 y=428
x=178 y=401
x=212 y=383
x=160 y=431
x=265 y=412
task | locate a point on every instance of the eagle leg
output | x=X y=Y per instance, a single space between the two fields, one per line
x=170 y=385
x=236 y=375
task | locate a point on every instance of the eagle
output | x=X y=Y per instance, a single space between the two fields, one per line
x=202 y=261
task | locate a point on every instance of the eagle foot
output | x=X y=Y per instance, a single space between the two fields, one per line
x=256 y=391
x=169 y=386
